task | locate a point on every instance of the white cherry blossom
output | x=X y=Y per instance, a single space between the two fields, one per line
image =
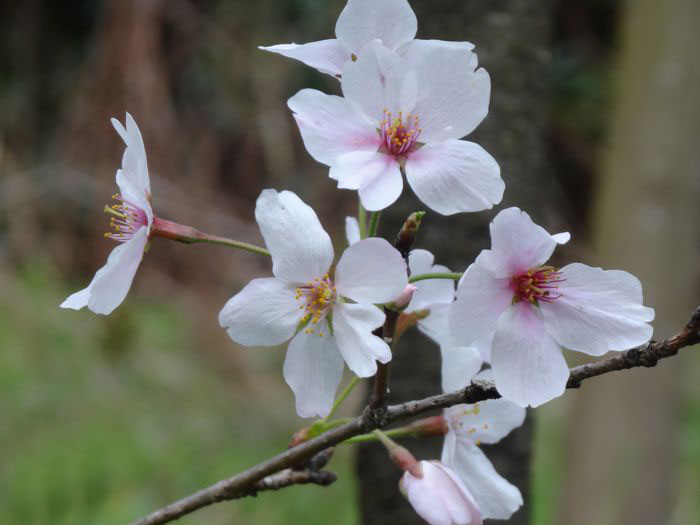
x=402 y=114
x=390 y=22
x=522 y=312
x=328 y=317
x=468 y=427
x=131 y=219
x=438 y=495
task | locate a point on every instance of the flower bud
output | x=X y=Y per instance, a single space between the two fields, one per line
x=405 y=297
x=439 y=497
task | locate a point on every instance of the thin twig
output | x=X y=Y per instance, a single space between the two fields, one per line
x=289 y=477
x=380 y=390
x=646 y=355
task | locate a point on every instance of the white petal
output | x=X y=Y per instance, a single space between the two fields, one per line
x=420 y=261
x=134 y=183
x=423 y=495
x=459 y=366
x=598 y=311
x=380 y=80
x=459 y=363
x=481 y=299
x=495 y=496
x=137 y=149
x=455 y=176
x=111 y=283
x=435 y=325
x=353 y=325
x=328 y=56
x=383 y=190
x=264 y=313
x=371 y=271
x=361 y=21
x=375 y=174
x=527 y=363
x=440 y=497
x=352 y=230
x=459 y=502
x=332 y=126
x=301 y=249
x=416 y=50
x=562 y=238
x=518 y=244
x=429 y=291
x=313 y=368
x=487 y=422
x=77 y=300
x=453 y=98
x=131 y=193
x=483 y=346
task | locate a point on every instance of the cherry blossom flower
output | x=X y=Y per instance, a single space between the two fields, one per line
x=469 y=426
x=306 y=303
x=405 y=114
x=391 y=22
x=522 y=312
x=438 y=495
x=131 y=220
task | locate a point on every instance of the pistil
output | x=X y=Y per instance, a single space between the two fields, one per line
x=317 y=297
x=539 y=284
x=399 y=134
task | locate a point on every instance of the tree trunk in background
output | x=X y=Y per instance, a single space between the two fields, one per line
x=621 y=470
x=512 y=39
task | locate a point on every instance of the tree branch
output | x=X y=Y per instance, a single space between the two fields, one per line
x=290 y=477
x=244 y=484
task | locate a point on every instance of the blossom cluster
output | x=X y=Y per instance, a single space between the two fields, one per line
x=405 y=108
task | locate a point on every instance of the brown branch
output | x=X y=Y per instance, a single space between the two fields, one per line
x=646 y=355
x=289 y=477
x=380 y=390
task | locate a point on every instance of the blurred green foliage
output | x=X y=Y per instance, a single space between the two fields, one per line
x=106 y=419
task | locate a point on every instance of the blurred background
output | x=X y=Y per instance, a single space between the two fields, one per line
x=595 y=121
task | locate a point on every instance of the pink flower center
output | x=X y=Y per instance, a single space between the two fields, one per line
x=317 y=298
x=126 y=219
x=539 y=284
x=399 y=134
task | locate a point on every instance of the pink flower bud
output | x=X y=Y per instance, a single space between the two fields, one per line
x=405 y=297
x=439 y=497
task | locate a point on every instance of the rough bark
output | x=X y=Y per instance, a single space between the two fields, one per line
x=511 y=39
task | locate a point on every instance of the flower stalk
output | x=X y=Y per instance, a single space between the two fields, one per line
x=373 y=223
x=440 y=275
x=189 y=235
x=362 y=219
x=429 y=426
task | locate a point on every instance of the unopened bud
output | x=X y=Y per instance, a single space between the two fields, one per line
x=400 y=455
x=405 y=297
x=405 y=461
x=429 y=426
x=407 y=234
